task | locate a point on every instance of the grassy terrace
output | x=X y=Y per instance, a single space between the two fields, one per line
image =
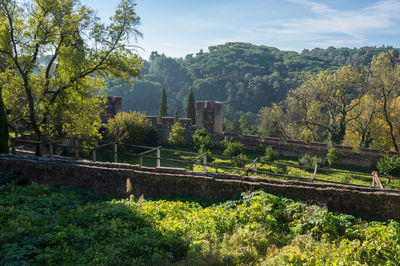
x=358 y=176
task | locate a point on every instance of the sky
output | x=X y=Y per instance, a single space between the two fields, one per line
x=180 y=27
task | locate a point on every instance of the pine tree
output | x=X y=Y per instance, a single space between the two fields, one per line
x=163 y=105
x=190 y=108
x=3 y=127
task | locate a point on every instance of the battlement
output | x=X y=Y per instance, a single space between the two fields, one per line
x=209 y=115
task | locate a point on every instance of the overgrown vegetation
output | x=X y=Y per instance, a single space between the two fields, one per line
x=202 y=141
x=177 y=135
x=389 y=165
x=132 y=128
x=68 y=225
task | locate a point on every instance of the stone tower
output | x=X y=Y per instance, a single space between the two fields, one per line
x=113 y=106
x=209 y=115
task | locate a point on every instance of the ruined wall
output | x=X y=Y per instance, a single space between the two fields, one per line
x=112 y=106
x=363 y=157
x=209 y=115
x=164 y=126
x=123 y=180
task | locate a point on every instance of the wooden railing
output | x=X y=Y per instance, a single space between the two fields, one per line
x=148 y=150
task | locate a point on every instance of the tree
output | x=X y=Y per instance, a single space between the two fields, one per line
x=163 y=105
x=3 y=127
x=384 y=80
x=177 y=134
x=132 y=128
x=190 y=107
x=323 y=102
x=59 y=69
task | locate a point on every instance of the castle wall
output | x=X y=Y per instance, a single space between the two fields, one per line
x=209 y=115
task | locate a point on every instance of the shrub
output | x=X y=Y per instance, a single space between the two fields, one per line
x=12 y=177
x=282 y=169
x=132 y=128
x=389 y=166
x=269 y=155
x=239 y=160
x=333 y=156
x=309 y=161
x=177 y=134
x=202 y=141
x=232 y=148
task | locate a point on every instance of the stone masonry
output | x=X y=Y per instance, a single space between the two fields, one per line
x=209 y=115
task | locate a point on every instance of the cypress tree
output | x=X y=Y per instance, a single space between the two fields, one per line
x=190 y=108
x=3 y=127
x=176 y=116
x=163 y=105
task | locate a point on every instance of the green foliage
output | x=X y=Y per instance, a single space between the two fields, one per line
x=333 y=156
x=309 y=161
x=57 y=92
x=132 y=128
x=202 y=141
x=163 y=104
x=12 y=177
x=282 y=169
x=234 y=149
x=269 y=155
x=389 y=165
x=190 y=107
x=67 y=225
x=3 y=127
x=177 y=135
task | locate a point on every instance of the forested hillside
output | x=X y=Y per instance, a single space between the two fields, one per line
x=245 y=77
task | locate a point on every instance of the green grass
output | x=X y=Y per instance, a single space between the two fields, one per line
x=48 y=224
x=358 y=178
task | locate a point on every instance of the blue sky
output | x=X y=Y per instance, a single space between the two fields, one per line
x=180 y=27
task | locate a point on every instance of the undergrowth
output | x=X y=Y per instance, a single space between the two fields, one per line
x=48 y=224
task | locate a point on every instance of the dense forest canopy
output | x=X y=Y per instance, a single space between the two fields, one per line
x=244 y=76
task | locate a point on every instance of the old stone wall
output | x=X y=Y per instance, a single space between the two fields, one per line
x=164 y=126
x=209 y=115
x=123 y=180
x=363 y=157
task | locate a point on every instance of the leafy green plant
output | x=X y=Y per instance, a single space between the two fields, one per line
x=202 y=141
x=132 y=128
x=269 y=155
x=389 y=166
x=333 y=156
x=309 y=161
x=12 y=177
x=282 y=169
x=177 y=135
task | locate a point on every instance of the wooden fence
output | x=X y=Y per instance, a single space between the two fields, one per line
x=113 y=148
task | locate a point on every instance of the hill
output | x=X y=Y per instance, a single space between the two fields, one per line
x=244 y=76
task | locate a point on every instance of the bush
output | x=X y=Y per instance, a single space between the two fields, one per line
x=239 y=160
x=177 y=135
x=132 y=128
x=282 y=169
x=202 y=141
x=269 y=155
x=309 y=161
x=232 y=148
x=12 y=177
x=389 y=166
x=333 y=156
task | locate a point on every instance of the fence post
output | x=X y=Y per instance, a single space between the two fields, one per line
x=255 y=168
x=94 y=154
x=158 y=157
x=51 y=150
x=191 y=166
x=13 y=151
x=315 y=173
x=140 y=161
x=76 y=151
x=205 y=163
x=115 y=152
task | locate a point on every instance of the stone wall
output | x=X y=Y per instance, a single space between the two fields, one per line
x=209 y=115
x=123 y=180
x=164 y=126
x=363 y=157
x=112 y=106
